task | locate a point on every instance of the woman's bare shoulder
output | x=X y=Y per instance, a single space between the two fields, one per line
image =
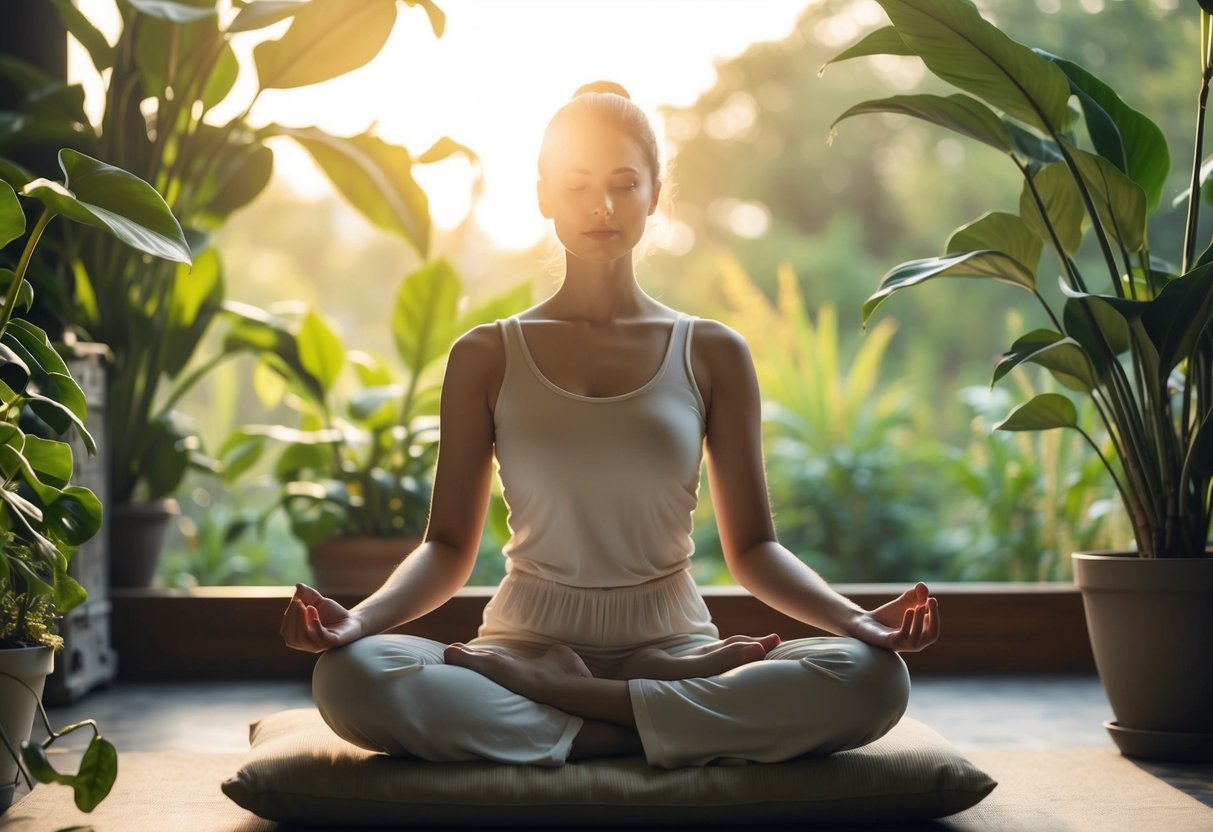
x=477 y=360
x=717 y=352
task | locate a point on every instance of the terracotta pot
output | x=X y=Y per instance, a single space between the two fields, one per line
x=31 y=665
x=356 y=565
x=137 y=533
x=1150 y=622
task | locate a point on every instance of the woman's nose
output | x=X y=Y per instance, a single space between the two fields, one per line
x=604 y=207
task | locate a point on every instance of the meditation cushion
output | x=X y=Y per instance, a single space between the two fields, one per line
x=298 y=771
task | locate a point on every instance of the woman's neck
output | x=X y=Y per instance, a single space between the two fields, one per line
x=599 y=293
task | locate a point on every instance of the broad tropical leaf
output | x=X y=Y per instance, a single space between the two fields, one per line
x=1043 y=412
x=882 y=41
x=964 y=49
x=959 y=113
x=999 y=231
x=327 y=38
x=989 y=264
x=121 y=203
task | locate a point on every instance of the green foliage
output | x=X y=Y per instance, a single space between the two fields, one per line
x=1139 y=349
x=360 y=460
x=171 y=68
x=844 y=472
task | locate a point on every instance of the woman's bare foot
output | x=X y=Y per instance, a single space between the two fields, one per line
x=709 y=660
x=558 y=678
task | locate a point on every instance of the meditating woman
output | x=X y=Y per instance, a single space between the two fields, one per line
x=598 y=403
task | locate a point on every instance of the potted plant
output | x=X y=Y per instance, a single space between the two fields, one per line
x=1131 y=333
x=171 y=69
x=43 y=517
x=354 y=474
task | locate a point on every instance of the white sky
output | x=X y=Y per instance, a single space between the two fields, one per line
x=494 y=79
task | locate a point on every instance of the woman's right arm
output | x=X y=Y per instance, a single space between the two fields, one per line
x=432 y=572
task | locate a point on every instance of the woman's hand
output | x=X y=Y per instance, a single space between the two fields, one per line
x=314 y=623
x=906 y=624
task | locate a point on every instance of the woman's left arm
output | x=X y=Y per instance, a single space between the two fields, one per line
x=752 y=553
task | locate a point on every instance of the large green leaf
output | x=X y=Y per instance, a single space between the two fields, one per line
x=1043 y=412
x=170 y=57
x=959 y=113
x=1119 y=201
x=423 y=318
x=107 y=197
x=25 y=295
x=376 y=177
x=92 y=781
x=1177 y=316
x=12 y=218
x=327 y=38
x=241 y=172
x=998 y=231
x=964 y=49
x=166 y=455
x=75 y=516
x=1062 y=204
x=882 y=41
x=89 y=36
x=1119 y=133
x=60 y=407
x=980 y=264
x=52 y=460
x=320 y=349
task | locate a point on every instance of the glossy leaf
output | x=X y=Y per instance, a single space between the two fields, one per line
x=51 y=459
x=241 y=174
x=258 y=15
x=320 y=349
x=1062 y=204
x=423 y=318
x=1119 y=133
x=376 y=177
x=67 y=591
x=75 y=516
x=12 y=218
x=14 y=371
x=882 y=41
x=109 y=198
x=61 y=409
x=1030 y=147
x=999 y=231
x=165 y=456
x=1043 y=412
x=327 y=38
x=1067 y=361
x=965 y=50
x=979 y=264
x=959 y=113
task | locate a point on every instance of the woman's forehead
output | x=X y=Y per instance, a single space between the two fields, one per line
x=595 y=148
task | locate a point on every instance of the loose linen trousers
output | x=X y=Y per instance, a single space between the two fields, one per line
x=394 y=693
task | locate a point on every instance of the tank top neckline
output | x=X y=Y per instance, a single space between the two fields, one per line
x=665 y=361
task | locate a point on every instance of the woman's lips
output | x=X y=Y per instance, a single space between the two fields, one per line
x=601 y=233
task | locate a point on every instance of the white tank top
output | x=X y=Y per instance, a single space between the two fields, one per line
x=600 y=490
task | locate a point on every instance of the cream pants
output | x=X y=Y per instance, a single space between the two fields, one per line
x=393 y=693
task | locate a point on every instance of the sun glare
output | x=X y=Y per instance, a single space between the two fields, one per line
x=493 y=80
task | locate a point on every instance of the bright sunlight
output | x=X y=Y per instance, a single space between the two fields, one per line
x=498 y=73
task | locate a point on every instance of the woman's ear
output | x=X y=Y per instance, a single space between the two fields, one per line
x=541 y=190
x=656 y=198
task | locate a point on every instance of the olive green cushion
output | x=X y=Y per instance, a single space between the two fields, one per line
x=298 y=771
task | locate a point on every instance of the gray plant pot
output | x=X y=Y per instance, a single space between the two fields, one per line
x=137 y=534
x=31 y=665
x=1150 y=622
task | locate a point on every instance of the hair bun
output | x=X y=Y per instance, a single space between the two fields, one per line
x=602 y=87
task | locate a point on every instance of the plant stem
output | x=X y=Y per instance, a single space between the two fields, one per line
x=10 y=300
x=1206 y=72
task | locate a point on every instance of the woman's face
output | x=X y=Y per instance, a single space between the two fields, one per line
x=597 y=187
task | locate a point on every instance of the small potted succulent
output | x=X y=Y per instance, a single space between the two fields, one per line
x=354 y=473
x=1130 y=329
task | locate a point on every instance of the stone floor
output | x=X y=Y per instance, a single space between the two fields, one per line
x=1027 y=712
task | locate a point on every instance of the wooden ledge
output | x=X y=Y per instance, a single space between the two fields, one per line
x=232 y=632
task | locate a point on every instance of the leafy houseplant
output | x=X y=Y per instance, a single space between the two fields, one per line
x=43 y=517
x=1132 y=333
x=171 y=69
x=354 y=474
